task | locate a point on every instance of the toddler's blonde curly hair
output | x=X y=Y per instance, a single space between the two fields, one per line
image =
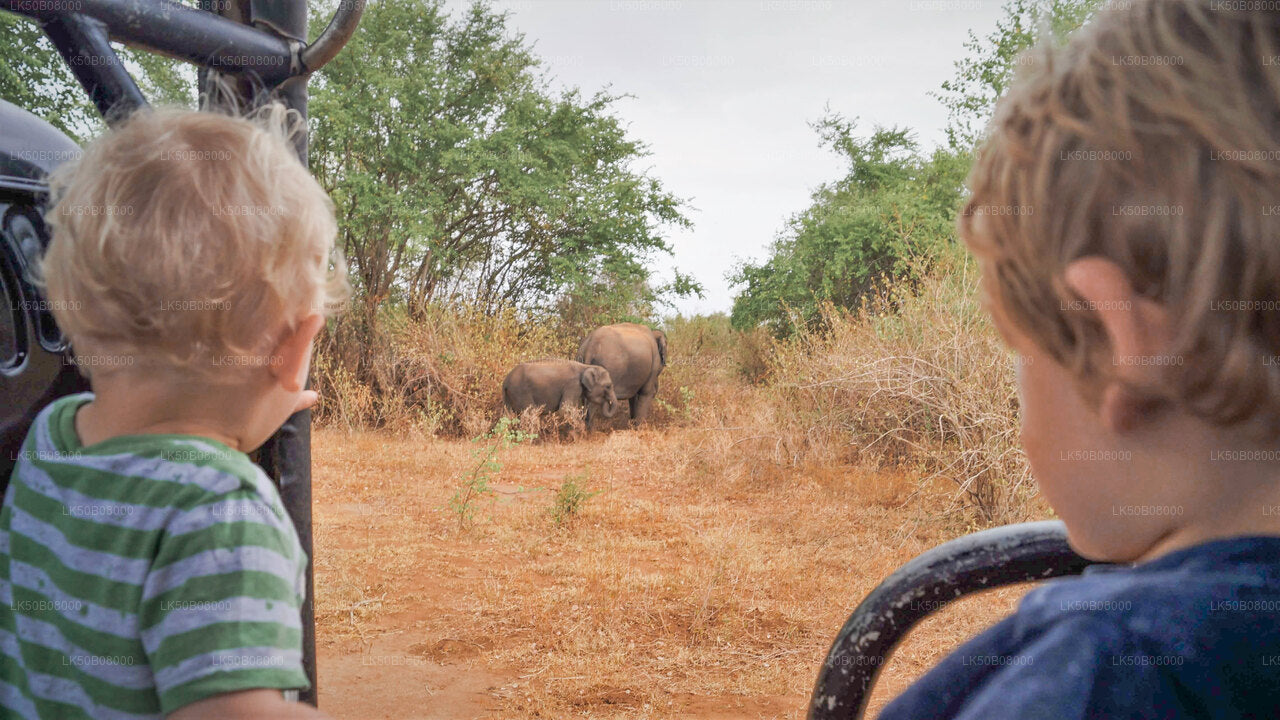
x=189 y=241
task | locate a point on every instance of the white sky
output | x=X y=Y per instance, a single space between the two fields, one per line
x=724 y=91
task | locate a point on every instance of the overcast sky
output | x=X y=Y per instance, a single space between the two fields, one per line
x=724 y=91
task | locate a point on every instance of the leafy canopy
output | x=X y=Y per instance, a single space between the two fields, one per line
x=860 y=232
x=460 y=175
x=896 y=203
x=983 y=76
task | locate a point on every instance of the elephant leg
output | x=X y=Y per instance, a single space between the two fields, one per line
x=640 y=407
x=642 y=403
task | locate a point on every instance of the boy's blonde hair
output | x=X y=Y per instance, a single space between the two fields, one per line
x=1152 y=139
x=191 y=241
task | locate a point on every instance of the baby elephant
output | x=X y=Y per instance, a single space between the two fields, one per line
x=556 y=384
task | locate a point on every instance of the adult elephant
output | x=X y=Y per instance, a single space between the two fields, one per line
x=558 y=384
x=634 y=355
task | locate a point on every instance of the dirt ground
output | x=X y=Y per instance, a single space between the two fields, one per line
x=683 y=588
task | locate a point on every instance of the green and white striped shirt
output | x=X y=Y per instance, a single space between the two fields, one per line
x=141 y=574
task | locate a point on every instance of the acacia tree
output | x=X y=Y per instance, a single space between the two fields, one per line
x=459 y=175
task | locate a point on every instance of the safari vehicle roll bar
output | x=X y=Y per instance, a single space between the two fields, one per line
x=980 y=561
x=268 y=45
x=261 y=42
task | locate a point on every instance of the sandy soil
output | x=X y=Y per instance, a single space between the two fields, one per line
x=689 y=586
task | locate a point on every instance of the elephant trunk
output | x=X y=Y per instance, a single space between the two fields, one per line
x=610 y=407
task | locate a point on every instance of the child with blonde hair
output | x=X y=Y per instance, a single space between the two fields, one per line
x=149 y=568
x=1125 y=212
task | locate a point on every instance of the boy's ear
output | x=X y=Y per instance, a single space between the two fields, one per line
x=290 y=359
x=1137 y=329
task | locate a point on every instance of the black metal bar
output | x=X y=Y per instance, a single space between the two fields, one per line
x=335 y=36
x=286 y=455
x=285 y=18
x=84 y=46
x=179 y=31
x=980 y=561
x=286 y=458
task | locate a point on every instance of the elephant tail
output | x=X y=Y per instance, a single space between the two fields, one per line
x=661 y=339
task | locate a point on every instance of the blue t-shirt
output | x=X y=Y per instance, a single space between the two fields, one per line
x=1192 y=634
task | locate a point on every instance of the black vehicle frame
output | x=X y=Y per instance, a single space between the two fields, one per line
x=1007 y=555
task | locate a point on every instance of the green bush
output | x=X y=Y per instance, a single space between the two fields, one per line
x=570 y=499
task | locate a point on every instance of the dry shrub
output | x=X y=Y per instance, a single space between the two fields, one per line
x=916 y=378
x=343 y=400
x=439 y=373
x=754 y=350
x=702 y=384
x=568 y=423
x=531 y=422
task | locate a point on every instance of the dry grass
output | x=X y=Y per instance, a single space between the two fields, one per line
x=918 y=380
x=436 y=375
x=675 y=591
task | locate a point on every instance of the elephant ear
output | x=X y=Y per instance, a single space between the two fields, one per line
x=661 y=337
x=592 y=377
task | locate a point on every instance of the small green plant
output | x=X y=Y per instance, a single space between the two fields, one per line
x=476 y=486
x=684 y=413
x=570 y=498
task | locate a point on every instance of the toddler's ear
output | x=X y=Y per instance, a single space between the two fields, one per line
x=292 y=355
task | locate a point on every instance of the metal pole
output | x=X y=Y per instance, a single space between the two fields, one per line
x=179 y=31
x=286 y=456
x=83 y=45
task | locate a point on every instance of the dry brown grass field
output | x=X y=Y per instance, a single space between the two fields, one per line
x=673 y=593
x=718 y=551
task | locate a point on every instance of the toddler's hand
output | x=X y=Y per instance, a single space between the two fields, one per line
x=307 y=399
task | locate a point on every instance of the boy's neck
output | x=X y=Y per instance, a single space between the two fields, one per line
x=1245 y=519
x=136 y=406
x=1212 y=489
